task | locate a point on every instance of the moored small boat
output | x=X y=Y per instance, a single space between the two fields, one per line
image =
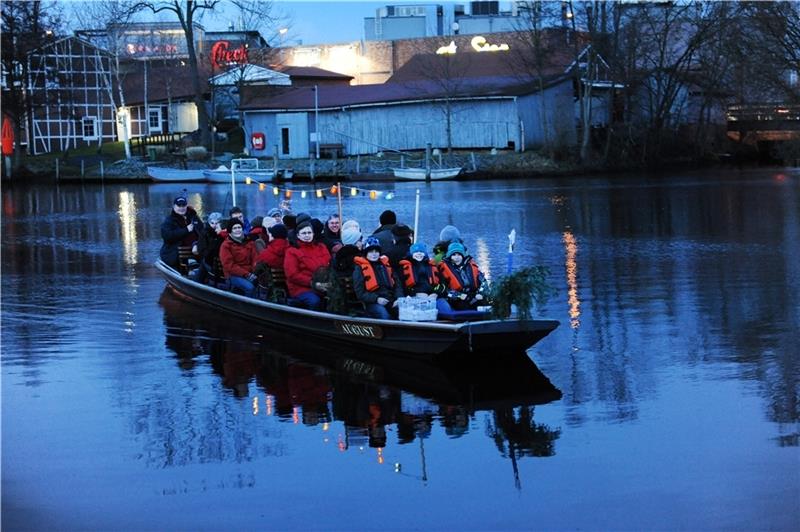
x=171 y=175
x=419 y=174
x=409 y=338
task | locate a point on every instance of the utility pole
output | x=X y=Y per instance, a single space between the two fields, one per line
x=316 y=119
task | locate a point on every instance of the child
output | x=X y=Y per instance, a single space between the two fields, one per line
x=419 y=273
x=464 y=282
x=374 y=282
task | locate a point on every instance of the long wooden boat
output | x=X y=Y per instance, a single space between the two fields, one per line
x=418 y=174
x=173 y=175
x=411 y=338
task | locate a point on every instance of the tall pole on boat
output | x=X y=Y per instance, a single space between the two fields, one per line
x=339 y=199
x=233 y=183
x=416 y=218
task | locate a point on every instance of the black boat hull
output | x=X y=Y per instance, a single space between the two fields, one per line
x=414 y=338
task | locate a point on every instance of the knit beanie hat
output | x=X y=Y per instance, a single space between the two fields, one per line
x=350 y=236
x=302 y=217
x=278 y=231
x=418 y=247
x=450 y=233
x=318 y=226
x=302 y=225
x=290 y=220
x=351 y=224
x=372 y=243
x=234 y=221
x=455 y=247
x=402 y=230
x=388 y=218
x=214 y=217
x=273 y=212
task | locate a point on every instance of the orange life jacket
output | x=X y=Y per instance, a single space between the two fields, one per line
x=453 y=280
x=370 y=279
x=408 y=273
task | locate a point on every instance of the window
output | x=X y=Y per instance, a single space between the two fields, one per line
x=89 y=127
x=154 y=120
x=285 y=140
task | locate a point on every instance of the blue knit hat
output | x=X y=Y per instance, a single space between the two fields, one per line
x=418 y=247
x=455 y=247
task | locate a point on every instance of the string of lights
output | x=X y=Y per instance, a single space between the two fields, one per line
x=315 y=191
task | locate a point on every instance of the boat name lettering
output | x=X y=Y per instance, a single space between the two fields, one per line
x=354 y=329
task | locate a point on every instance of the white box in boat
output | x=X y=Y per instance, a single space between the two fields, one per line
x=417 y=309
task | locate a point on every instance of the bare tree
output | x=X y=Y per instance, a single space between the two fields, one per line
x=26 y=26
x=188 y=12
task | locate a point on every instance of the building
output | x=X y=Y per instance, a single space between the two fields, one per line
x=468 y=100
x=406 y=21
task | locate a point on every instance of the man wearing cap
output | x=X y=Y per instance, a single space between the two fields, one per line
x=181 y=227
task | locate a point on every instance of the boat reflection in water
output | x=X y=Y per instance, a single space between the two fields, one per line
x=303 y=382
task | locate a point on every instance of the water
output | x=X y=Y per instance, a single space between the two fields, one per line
x=667 y=399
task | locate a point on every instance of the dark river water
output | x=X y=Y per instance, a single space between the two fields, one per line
x=668 y=398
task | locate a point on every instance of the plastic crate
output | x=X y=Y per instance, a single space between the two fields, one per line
x=417 y=309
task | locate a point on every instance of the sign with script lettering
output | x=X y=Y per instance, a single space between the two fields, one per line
x=222 y=54
x=357 y=329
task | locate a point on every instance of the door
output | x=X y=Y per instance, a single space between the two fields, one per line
x=293 y=135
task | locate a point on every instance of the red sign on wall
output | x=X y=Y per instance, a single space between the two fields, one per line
x=257 y=141
x=222 y=55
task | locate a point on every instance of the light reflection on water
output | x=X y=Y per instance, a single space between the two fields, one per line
x=677 y=357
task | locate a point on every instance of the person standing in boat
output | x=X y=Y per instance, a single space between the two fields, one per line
x=181 y=227
x=464 y=281
x=388 y=220
x=208 y=246
x=419 y=273
x=238 y=255
x=374 y=281
x=301 y=262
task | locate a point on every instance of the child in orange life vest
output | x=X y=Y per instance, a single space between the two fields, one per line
x=464 y=281
x=374 y=282
x=420 y=274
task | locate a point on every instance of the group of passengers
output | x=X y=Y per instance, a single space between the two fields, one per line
x=384 y=266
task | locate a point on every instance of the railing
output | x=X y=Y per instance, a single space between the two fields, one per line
x=172 y=141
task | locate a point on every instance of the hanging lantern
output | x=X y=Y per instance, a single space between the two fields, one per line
x=333 y=190
x=262 y=187
x=354 y=191
x=288 y=194
x=390 y=195
x=303 y=194
x=373 y=194
x=248 y=180
x=319 y=193
x=275 y=190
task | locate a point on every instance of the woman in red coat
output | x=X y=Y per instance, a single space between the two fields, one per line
x=238 y=255
x=300 y=264
x=274 y=253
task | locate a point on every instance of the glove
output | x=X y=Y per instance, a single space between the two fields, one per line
x=252 y=277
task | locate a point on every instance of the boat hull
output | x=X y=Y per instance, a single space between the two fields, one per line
x=418 y=174
x=220 y=176
x=411 y=338
x=174 y=175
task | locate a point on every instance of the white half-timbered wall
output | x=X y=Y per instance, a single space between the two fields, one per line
x=71 y=107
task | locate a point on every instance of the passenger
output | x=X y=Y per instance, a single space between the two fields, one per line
x=447 y=236
x=351 y=224
x=181 y=227
x=236 y=212
x=420 y=275
x=300 y=264
x=276 y=214
x=208 y=246
x=463 y=279
x=332 y=235
x=319 y=230
x=292 y=234
x=238 y=255
x=383 y=233
x=290 y=221
x=374 y=281
x=258 y=234
x=351 y=247
x=401 y=242
x=275 y=251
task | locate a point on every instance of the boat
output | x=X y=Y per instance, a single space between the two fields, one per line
x=418 y=174
x=172 y=175
x=242 y=169
x=407 y=337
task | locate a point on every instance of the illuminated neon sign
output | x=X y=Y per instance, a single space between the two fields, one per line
x=478 y=43
x=223 y=55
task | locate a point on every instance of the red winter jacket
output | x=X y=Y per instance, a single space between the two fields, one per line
x=300 y=264
x=237 y=259
x=274 y=253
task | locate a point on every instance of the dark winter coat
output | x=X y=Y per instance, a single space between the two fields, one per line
x=175 y=234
